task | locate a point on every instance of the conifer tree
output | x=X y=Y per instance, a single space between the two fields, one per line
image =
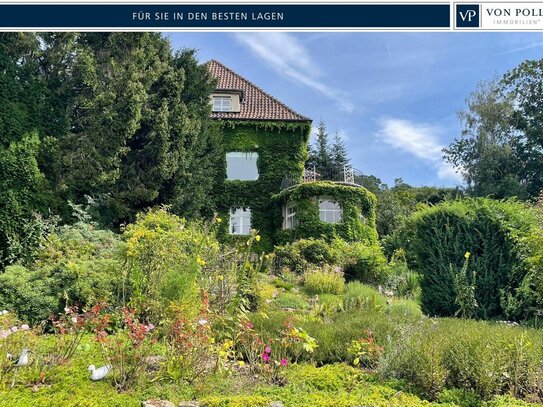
x=339 y=154
x=319 y=156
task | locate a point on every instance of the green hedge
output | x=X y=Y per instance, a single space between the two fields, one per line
x=497 y=236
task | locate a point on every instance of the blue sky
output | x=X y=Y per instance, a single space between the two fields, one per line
x=393 y=97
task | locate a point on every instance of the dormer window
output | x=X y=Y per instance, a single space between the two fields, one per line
x=226 y=100
x=222 y=103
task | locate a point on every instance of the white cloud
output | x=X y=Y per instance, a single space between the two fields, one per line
x=288 y=57
x=421 y=140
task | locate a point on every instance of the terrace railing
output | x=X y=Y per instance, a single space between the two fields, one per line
x=346 y=175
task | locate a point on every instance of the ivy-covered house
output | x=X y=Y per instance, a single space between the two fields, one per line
x=266 y=186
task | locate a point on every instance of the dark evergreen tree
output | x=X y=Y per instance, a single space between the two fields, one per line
x=138 y=130
x=20 y=178
x=320 y=155
x=338 y=154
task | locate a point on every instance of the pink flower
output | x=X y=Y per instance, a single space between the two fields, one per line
x=14 y=329
x=151 y=327
x=267 y=349
x=249 y=325
x=24 y=327
x=266 y=357
x=4 y=334
x=283 y=362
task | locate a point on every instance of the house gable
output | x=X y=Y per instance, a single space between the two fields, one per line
x=254 y=103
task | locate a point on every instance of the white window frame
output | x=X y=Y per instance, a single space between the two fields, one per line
x=222 y=103
x=240 y=217
x=251 y=157
x=329 y=215
x=291 y=221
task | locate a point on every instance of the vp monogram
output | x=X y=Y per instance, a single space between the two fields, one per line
x=467 y=15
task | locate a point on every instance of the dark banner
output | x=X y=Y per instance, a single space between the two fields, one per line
x=207 y=16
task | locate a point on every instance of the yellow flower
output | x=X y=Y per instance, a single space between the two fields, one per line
x=200 y=261
x=219 y=220
x=257 y=238
x=467 y=255
x=241 y=363
x=221 y=277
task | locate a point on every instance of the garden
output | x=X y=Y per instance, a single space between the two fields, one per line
x=164 y=314
x=120 y=286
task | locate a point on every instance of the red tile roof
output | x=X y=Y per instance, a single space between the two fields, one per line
x=255 y=104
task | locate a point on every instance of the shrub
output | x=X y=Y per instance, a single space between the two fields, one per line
x=473 y=356
x=291 y=300
x=368 y=265
x=495 y=233
x=76 y=264
x=164 y=256
x=303 y=253
x=358 y=260
x=327 y=378
x=404 y=308
x=327 y=280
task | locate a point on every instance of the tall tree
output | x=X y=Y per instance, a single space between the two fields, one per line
x=20 y=178
x=338 y=153
x=500 y=150
x=138 y=123
x=523 y=85
x=319 y=156
x=486 y=152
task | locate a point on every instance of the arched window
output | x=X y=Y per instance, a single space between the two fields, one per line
x=329 y=210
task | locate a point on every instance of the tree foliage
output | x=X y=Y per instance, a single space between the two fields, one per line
x=117 y=119
x=320 y=155
x=138 y=122
x=500 y=150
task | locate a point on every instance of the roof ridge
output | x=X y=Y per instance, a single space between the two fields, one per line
x=301 y=116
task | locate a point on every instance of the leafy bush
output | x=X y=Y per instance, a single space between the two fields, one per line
x=327 y=280
x=495 y=233
x=164 y=256
x=303 y=253
x=76 y=264
x=359 y=261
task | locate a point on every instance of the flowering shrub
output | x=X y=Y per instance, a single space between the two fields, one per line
x=127 y=349
x=69 y=329
x=271 y=357
x=164 y=256
x=191 y=347
x=364 y=351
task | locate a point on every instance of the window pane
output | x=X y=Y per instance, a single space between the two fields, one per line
x=290 y=216
x=241 y=166
x=329 y=210
x=222 y=104
x=240 y=221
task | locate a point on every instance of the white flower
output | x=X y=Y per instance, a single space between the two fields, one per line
x=24 y=327
x=5 y=312
x=74 y=320
x=66 y=310
x=202 y=321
